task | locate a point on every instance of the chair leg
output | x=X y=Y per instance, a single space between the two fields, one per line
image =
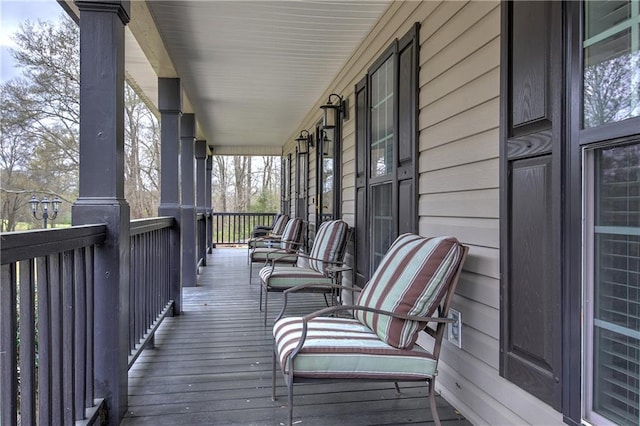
x=261 y=289
x=289 y=380
x=250 y=271
x=273 y=374
x=397 y=388
x=266 y=299
x=432 y=398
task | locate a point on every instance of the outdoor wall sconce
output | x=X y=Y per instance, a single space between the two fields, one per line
x=55 y=203
x=333 y=110
x=305 y=142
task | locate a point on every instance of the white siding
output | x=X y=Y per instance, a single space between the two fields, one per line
x=458 y=168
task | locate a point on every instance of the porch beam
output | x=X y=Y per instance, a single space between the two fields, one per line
x=187 y=186
x=101 y=190
x=170 y=106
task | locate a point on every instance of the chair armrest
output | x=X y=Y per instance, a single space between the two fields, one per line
x=274 y=252
x=302 y=287
x=332 y=309
x=337 y=264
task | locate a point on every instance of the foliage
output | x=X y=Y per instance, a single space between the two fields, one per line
x=39 y=128
x=245 y=184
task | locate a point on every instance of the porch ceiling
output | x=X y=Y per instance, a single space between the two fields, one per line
x=250 y=70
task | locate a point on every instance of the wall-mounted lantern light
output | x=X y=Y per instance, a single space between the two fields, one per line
x=305 y=142
x=333 y=109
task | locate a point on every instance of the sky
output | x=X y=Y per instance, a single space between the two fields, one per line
x=12 y=13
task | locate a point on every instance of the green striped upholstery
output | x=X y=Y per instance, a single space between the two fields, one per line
x=344 y=348
x=291 y=234
x=280 y=224
x=410 y=280
x=262 y=254
x=328 y=244
x=283 y=277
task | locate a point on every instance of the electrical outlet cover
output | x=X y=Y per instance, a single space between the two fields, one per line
x=454 y=330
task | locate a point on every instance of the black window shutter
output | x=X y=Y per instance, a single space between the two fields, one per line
x=362 y=227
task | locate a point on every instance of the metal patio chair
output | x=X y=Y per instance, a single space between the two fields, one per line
x=410 y=291
x=326 y=254
x=284 y=250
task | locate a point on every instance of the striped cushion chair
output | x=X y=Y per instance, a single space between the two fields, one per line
x=327 y=251
x=286 y=251
x=262 y=230
x=271 y=238
x=411 y=291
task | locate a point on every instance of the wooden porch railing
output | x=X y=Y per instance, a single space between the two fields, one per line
x=46 y=326
x=237 y=228
x=47 y=317
x=150 y=288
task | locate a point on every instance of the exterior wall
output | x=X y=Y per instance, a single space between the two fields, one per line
x=459 y=95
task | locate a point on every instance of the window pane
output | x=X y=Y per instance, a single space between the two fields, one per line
x=382 y=222
x=616 y=316
x=327 y=179
x=611 y=62
x=382 y=120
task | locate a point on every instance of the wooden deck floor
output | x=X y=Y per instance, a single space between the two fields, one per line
x=212 y=366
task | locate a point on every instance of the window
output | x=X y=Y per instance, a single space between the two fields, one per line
x=386 y=152
x=611 y=234
x=285 y=191
x=612 y=296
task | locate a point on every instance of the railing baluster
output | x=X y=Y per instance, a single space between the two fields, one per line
x=89 y=392
x=27 y=342
x=44 y=341
x=68 y=332
x=8 y=349
x=56 y=340
x=80 y=297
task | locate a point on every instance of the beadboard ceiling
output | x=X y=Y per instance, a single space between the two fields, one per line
x=250 y=70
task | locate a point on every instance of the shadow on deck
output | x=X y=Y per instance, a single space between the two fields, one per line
x=212 y=366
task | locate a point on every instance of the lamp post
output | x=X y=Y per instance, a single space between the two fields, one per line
x=55 y=204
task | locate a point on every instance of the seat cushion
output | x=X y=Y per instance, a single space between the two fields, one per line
x=263 y=254
x=411 y=280
x=345 y=348
x=328 y=244
x=283 y=277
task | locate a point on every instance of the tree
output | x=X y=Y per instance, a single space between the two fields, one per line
x=242 y=184
x=40 y=127
x=141 y=156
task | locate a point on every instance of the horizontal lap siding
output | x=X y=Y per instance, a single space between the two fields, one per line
x=459 y=194
x=458 y=169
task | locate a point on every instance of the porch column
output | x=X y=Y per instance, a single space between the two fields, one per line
x=170 y=106
x=101 y=191
x=207 y=202
x=188 y=225
x=201 y=158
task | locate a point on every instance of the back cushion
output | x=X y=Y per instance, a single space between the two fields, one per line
x=279 y=225
x=412 y=279
x=328 y=243
x=291 y=234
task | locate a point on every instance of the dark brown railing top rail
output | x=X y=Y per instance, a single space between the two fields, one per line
x=141 y=226
x=18 y=246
